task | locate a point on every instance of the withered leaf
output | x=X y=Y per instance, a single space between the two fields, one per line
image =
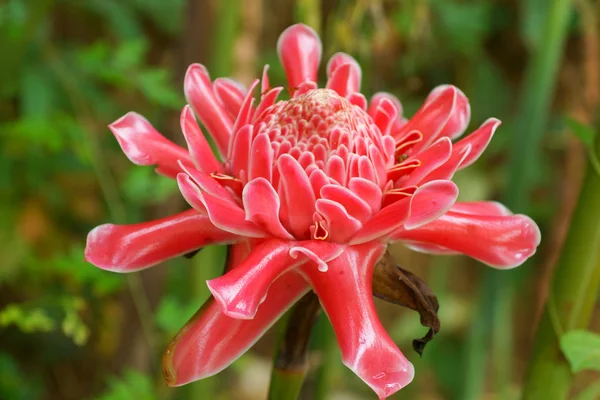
x=399 y=286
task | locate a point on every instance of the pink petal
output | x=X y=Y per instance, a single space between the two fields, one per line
x=446 y=112
x=340 y=225
x=384 y=114
x=478 y=141
x=299 y=49
x=430 y=159
x=429 y=202
x=359 y=100
x=497 y=240
x=200 y=94
x=351 y=201
x=143 y=145
x=481 y=208
x=368 y=191
x=222 y=213
x=211 y=340
x=344 y=74
x=378 y=98
x=244 y=117
x=240 y=291
x=296 y=191
x=231 y=94
x=261 y=158
x=428 y=248
x=345 y=294
x=446 y=171
x=127 y=248
x=200 y=150
x=262 y=205
x=239 y=157
x=267 y=100
x=208 y=184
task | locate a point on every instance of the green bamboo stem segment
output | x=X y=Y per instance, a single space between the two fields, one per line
x=225 y=33
x=530 y=122
x=309 y=13
x=572 y=295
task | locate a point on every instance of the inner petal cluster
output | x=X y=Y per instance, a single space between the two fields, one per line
x=321 y=155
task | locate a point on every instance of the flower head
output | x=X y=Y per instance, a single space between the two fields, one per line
x=310 y=192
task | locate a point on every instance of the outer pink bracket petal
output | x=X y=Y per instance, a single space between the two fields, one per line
x=143 y=145
x=345 y=294
x=211 y=340
x=128 y=248
x=299 y=48
x=429 y=202
x=478 y=140
x=497 y=240
x=240 y=291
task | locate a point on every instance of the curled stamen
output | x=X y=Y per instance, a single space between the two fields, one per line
x=408 y=140
x=228 y=181
x=402 y=169
x=319 y=232
x=393 y=195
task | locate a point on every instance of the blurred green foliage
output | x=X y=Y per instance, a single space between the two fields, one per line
x=70 y=67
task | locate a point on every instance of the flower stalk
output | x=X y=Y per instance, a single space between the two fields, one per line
x=291 y=361
x=572 y=296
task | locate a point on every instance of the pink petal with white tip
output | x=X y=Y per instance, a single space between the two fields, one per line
x=128 y=248
x=240 y=291
x=297 y=193
x=262 y=205
x=200 y=150
x=299 y=49
x=211 y=340
x=478 y=140
x=200 y=94
x=346 y=296
x=428 y=202
x=500 y=241
x=143 y=145
x=231 y=94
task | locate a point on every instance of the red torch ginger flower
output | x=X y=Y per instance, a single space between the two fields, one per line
x=310 y=193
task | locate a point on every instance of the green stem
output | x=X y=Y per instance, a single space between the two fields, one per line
x=325 y=345
x=530 y=122
x=291 y=361
x=572 y=297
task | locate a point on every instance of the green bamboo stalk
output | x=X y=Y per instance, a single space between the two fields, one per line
x=572 y=297
x=309 y=13
x=225 y=32
x=530 y=122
